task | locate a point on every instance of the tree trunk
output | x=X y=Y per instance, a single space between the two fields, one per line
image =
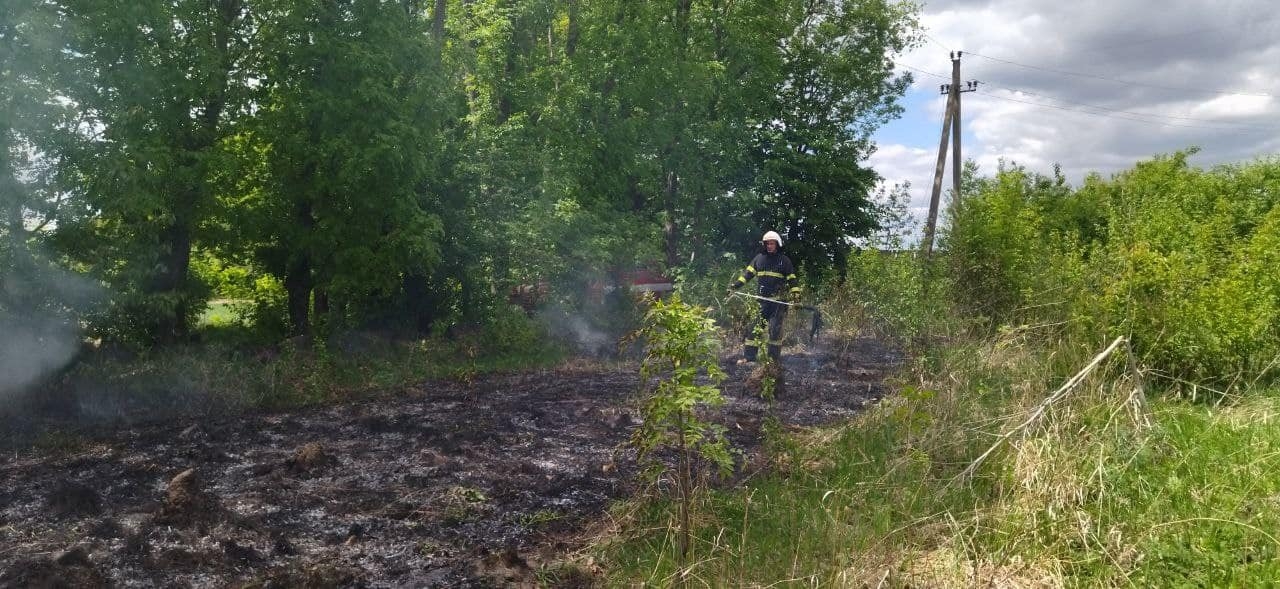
x=418 y=301
x=175 y=264
x=669 y=228
x=684 y=480
x=298 y=281
x=682 y=21
x=176 y=238
x=437 y=20
x=321 y=305
x=571 y=37
x=638 y=200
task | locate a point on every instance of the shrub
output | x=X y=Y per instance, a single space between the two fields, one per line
x=681 y=354
x=1179 y=259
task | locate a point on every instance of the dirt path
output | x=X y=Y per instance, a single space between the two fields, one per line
x=446 y=485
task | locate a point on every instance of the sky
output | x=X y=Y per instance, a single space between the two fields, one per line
x=1094 y=86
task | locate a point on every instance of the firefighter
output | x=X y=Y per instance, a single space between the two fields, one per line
x=777 y=277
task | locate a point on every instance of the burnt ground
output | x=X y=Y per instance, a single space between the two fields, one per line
x=445 y=484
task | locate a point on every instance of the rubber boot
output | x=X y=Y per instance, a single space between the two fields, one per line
x=750 y=353
x=775 y=351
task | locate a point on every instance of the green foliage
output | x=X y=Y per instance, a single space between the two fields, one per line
x=406 y=163
x=232 y=372
x=1007 y=244
x=886 y=290
x=266 y=310
x=29 y=122
x=829 y=102
x=224 y=280
x=890 y=294
x=347 y=115
x=1177 y=258
x=841 y=505
x=1090 y=496
x=1101 y=490
x=703 y=285
x=680 y=350
x=681 y=354
x=159 y=83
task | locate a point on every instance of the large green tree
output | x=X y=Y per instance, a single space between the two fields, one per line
x=347 y=128
x=157 y=84
x=29 y=118
x=837 y=87
x=680 y=128
x=411 y=157
x=39 y=302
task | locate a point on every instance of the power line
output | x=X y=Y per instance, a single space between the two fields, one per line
x=937 y=42
x=1229 y=126
x=1146 y=40
x=916 y=69
x=1126 y=118
x=1135 y=113
x=1119 y=81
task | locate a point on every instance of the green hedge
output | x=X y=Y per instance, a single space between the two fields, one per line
x=1183 y=260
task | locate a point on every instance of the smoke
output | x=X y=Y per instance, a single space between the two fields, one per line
x=581 y=331
x=589 y=339
x=32 y=348
x=39 y=329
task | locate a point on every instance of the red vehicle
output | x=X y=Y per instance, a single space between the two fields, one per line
x=648 y=281
x=642 y=282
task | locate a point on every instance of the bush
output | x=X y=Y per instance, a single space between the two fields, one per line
x=891 y=293
x=510 y=331
x=706 y=288
x=267 y=309
x=1179 y=259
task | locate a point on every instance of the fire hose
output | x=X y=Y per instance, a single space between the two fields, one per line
x=814 y=327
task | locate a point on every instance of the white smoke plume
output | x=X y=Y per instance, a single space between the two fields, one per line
x=39 y=332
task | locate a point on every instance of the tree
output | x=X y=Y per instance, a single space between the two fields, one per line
x=27 y=117
x=837 y=87
x=345 y=126
x=40 y=304
x=157 y=84
x=681 y=356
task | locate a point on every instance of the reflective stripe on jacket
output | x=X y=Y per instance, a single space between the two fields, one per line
x=774 y=271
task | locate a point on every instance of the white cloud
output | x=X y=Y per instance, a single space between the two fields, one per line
x=900 y=164
x=1233 y=106
x=1109 y=83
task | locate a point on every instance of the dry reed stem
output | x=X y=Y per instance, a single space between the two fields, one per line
x=1041 y=408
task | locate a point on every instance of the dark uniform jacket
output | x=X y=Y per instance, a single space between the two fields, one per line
x=774 y=272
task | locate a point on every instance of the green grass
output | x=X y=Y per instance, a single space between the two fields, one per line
x=221 y=312
x=1199 y=501
x=1091 y=496
x=228 y=372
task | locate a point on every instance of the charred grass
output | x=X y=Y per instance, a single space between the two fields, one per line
x=472 y=482
x=109 y=389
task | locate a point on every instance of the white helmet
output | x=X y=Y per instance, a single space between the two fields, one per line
x=772 y=235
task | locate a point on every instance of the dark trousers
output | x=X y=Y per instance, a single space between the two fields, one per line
x=769 y=322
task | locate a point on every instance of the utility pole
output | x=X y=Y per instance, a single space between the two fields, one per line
x=950 y=127
x=932 y=221
x=956 y=162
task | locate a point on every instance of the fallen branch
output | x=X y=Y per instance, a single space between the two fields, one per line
x=1042 y=407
